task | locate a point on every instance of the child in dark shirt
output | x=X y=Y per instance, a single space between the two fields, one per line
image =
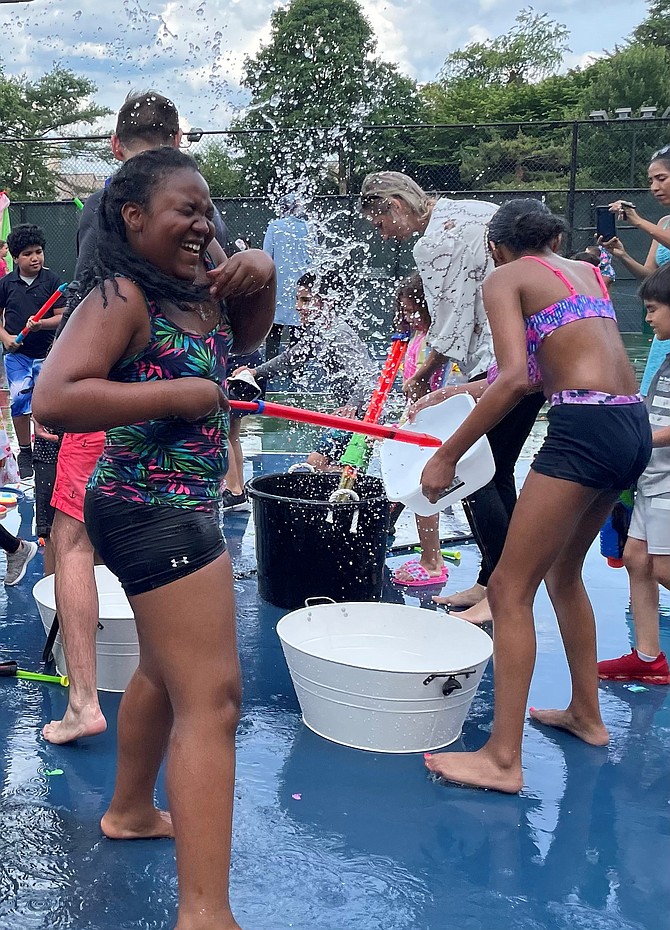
x=22 y=292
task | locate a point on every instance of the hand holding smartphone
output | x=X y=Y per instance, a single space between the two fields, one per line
x=605 y=223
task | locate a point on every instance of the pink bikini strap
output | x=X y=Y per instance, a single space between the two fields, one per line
x=559 y=274
x=601 y=282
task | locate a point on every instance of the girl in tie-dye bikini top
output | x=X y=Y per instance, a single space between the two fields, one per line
x=169 y=461
x=571 y=308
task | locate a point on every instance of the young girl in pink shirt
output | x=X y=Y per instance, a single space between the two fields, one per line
x=412 y=313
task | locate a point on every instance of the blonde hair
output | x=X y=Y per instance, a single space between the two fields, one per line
x=378 y=188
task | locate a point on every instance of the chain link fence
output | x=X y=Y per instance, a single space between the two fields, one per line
x=572 y=166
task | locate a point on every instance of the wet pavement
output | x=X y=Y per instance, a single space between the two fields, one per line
x=334 y=838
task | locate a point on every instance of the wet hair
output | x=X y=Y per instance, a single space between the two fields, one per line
x=663 y=155
x=328 y=283
x=411 y=288
x=525 y=224
x=147 y=117
x=136 y=182
x=378 y=189
x=586 y=257
x=23 y=236
x=657 y=286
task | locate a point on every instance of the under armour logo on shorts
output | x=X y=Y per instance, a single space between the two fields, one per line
x=177 y=562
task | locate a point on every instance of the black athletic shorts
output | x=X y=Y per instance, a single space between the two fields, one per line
x=150 y=545
x=596 y=445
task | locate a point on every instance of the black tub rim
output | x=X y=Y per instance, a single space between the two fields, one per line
x=255 y=494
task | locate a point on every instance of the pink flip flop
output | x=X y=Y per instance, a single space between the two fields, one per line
x=418 y=575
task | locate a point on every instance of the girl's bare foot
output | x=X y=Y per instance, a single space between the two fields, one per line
x=154 y=824
x=467 y=598
x=205 y=919
x=89 y=721
x=476 y=770
x=592 y=732
x=478 y=614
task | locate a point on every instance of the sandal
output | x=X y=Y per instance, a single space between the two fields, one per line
x=418 y=575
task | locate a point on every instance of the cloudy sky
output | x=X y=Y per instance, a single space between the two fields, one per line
x=193 y=50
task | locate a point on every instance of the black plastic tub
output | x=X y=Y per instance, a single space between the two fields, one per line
x=307 y=547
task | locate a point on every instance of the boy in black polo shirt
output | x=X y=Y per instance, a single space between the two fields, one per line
x=22 y=293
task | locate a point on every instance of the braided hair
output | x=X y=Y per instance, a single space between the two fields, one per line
x=525 y=224
x=135 y=182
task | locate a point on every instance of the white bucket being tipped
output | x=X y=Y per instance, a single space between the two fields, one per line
x=403 y=463
x=383 y=677
x=117 y=648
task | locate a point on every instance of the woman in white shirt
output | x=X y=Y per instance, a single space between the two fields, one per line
x=451 y=254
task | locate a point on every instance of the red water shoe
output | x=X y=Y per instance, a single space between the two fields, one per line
x=632 y=668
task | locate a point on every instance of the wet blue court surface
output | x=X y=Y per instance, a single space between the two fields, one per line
x=330 y=838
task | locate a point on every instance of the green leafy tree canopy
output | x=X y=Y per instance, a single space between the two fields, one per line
x=655 y=29
x=220 y=170
x=531 y=50
x=318 y=70
x=37 y=110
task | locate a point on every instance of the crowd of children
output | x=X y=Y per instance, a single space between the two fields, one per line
x=144 y=360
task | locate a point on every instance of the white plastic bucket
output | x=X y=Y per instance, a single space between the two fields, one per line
x=383 y=677
x=402 y=463
x=117 y=649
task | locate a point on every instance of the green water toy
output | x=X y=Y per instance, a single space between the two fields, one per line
x=11 y=670
x=358 y=452
x=452 y=555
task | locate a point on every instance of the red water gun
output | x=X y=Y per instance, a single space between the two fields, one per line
x=44 y=309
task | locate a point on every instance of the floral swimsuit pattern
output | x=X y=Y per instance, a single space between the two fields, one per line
x=169 y=461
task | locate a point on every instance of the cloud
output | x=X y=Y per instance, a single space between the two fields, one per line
x=581 y=61
x=194 y=50
x=478 y=33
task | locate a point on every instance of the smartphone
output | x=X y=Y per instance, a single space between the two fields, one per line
x=605 y=223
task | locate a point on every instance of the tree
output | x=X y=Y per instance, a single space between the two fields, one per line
x=507 y=79
x=530 y=51
x=655 y=29
x=616 y=154
x=313 y=86
x=634 y=76
x=220 y=170
x=523 y=162
x=36 y=111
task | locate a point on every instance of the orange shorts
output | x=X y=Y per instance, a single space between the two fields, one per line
x=78 y=455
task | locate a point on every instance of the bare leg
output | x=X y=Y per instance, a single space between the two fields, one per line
x=189 y=664
x=143 y=727
x=549 y=512
x=644 y=583
x=431 y=559
x=48 y=558
x=77 y=606
x=643 y=596
x=578 y=630
x=235 y=473
x=22 y=429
